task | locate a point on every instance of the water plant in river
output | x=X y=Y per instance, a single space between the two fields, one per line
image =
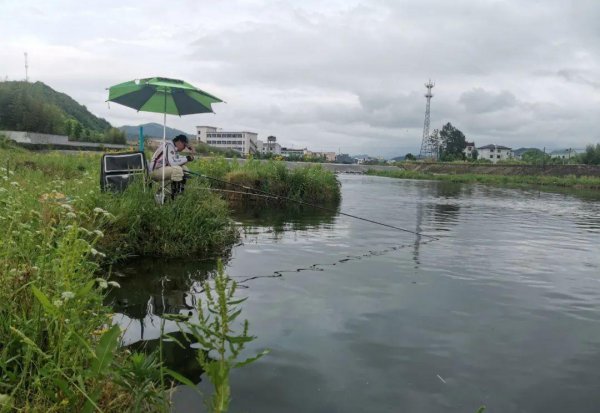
x=220 y=345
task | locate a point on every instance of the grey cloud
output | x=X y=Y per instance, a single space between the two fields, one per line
x=578 y=76
x=479 y=100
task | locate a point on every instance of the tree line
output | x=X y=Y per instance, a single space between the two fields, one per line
x=451 y=144
x=35 y=107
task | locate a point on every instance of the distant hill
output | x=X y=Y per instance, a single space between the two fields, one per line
x=152 y=130
x=521 y=151
x=36 y=107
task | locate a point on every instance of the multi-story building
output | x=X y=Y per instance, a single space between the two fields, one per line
x=287 y=152
x=469 y=149
x=270 y=146
x=327 y=156
x=565 y=153
x=243 y=142
x=494 y=153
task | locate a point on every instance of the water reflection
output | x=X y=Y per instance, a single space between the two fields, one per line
x=151 y=287
x=437 y=205
x=403 y=309
x=278 y=220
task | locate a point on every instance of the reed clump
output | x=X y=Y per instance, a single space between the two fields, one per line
x=311 y=183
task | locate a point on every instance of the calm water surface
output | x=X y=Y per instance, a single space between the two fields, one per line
x=502 y=310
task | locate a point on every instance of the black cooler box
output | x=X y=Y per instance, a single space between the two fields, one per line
x=118 y=170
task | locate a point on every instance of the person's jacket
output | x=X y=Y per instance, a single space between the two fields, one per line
x=173 y=158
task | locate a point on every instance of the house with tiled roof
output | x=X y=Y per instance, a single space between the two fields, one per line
x=469 y=149
x=494 y=153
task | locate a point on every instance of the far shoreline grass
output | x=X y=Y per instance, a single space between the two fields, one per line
x=570 y=181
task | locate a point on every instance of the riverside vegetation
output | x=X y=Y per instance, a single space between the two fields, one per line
x=582 y=182
x=58 y=350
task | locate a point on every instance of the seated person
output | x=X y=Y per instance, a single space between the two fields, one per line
x=168 y=157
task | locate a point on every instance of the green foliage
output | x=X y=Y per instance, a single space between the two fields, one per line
x=453 y=143
x=591 y=156
x=35 y=107
x=310 y=184
x=515 y=180
x=194 y=225
x=214 y=330
x=21 y=97
x=535 y=157
x=205 y=149
x=57 y=349
x=410 y=157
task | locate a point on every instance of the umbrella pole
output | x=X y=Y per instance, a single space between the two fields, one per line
x=165 y=155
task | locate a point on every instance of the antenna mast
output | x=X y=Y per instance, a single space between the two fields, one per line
x=26 y=69
x=428 y=148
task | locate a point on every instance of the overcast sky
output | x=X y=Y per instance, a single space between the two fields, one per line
x=330 y=75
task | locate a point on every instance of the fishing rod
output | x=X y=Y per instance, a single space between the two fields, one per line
x=266 y=194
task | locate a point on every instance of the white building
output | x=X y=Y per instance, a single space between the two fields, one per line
x=565 y=153
x=243 y=142
x=494 y=153
x=270 y=146
x=468 y=151
x=287 y=152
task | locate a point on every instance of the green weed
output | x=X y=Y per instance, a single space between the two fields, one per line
x=221 y=345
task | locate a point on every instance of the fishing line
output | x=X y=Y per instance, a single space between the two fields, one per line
x=319 y=267
x=285 y=198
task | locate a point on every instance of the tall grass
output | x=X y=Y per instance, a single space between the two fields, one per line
x=58 y=351
x=582 y=182
x=309 y=184
x=57 y=348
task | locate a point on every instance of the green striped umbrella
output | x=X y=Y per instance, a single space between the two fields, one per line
x=162 y=95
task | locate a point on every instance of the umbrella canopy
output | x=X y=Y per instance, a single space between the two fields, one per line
x=162 y=95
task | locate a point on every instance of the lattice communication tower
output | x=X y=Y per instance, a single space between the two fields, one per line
x=429 y=148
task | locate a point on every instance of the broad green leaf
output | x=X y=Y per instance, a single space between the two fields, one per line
x=44 y=301
x=105 y=349
x=85 y=290
x=180 y=378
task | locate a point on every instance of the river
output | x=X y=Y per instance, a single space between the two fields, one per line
x=502 y=310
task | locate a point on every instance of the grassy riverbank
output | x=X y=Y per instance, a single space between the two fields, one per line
x=571 y=181
x=58 y=351
x=309 y=184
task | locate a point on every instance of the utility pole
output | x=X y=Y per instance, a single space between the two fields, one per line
x=26 y=69
x=428 y=149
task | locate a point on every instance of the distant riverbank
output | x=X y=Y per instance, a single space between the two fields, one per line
x=571 y=181
x=465 y=168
